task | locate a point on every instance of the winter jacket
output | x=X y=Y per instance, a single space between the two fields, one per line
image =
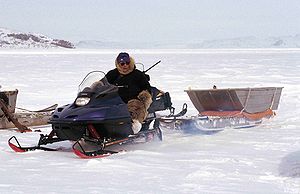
x=130 y=84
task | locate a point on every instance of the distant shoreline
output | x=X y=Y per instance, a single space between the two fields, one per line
x=143 y=51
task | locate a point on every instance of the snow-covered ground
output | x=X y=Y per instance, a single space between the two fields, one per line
x=263 y=159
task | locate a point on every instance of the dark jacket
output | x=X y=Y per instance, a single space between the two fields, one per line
x=130 y=85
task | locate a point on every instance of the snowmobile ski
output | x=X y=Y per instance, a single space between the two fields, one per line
x=19 y=148
x=91 y=154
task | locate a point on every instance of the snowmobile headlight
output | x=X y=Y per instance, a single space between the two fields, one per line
x=81 y=101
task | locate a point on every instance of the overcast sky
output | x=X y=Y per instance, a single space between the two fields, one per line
x=152 y=20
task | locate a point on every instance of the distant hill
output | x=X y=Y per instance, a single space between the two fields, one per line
x=242 y=42
x=96 y=44
x=10 y=39
x=251 y=42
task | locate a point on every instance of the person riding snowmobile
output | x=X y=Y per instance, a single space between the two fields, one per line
x=99 y=121
x=134 y=88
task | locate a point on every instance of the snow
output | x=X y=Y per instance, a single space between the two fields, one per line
x=263 y=159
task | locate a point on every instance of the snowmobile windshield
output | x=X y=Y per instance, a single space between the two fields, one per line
x=96 y=82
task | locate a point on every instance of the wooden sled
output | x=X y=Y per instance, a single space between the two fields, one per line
x=24 y=118
x=232 y=107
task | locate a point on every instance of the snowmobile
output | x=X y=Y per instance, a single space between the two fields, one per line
x=98 y=119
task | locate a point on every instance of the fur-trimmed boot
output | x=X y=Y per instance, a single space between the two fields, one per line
x=138 y=109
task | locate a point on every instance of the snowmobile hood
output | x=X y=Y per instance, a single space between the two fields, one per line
x=103 y=103
x=111 y=109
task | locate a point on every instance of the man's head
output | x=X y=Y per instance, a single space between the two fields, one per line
x=124 y=63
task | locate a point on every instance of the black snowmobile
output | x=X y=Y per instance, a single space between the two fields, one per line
x=99 y=119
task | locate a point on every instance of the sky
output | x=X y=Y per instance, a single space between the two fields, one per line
x=173 y=21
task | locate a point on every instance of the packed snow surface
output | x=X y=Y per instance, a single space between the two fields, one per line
x=262 y=159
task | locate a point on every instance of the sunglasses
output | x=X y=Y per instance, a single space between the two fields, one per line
x=123 y=63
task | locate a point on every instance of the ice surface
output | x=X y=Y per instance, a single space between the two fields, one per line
x=263 y=159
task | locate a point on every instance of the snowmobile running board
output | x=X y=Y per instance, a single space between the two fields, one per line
x=145 y=136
